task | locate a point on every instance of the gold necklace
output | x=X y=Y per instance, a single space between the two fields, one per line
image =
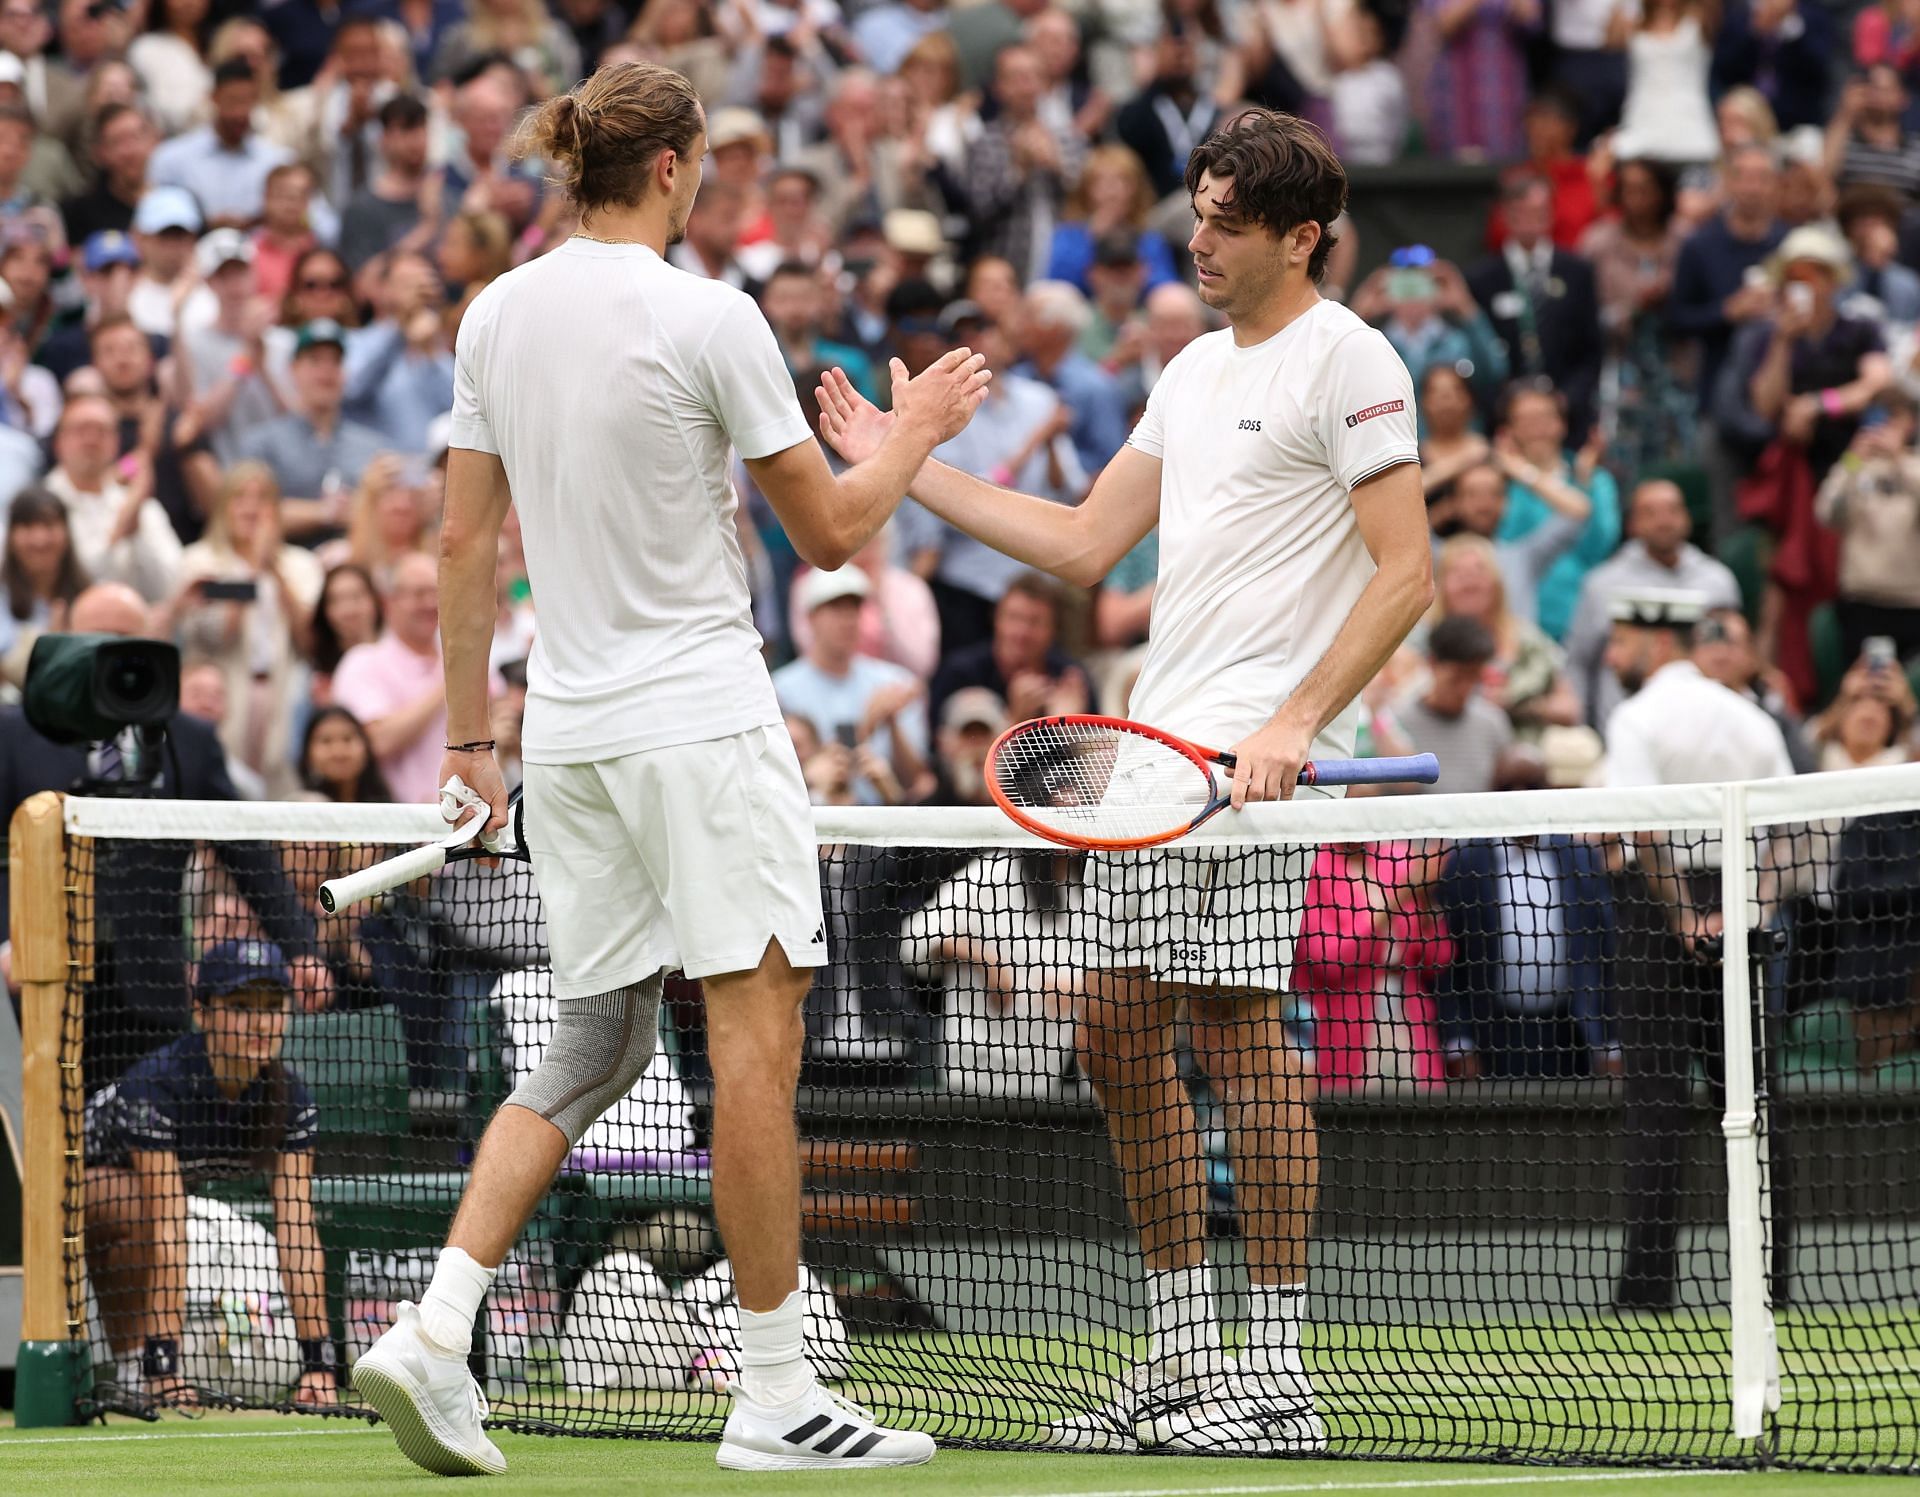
x=579 y=234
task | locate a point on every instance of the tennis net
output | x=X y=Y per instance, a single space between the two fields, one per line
x=1610 y=1159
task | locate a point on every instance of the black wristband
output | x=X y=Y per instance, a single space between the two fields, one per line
x=161 y=1358
x=478 y=746
x=317 y=1355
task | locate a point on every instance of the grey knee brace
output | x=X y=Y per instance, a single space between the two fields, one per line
x=600 y=1048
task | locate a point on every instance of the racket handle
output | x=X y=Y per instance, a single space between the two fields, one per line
x=337 y=893
x=1422 y=769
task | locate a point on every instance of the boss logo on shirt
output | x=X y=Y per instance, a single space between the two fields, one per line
x=1385 y=408
x=1249 y=426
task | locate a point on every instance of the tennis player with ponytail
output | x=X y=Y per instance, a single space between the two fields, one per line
x=601 y=390
x=1279 y=460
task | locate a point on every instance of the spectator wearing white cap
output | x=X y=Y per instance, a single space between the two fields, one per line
x=969 y=722
x=49 y=173
x=899 y=620
x=873 y=708
x=167 y=296
x=222 y=364
x=224 y=164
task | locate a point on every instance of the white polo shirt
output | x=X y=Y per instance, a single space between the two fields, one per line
x=1261 y=559
x=1683 y=728
x=611 y=386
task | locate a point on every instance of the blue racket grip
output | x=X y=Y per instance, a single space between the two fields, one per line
x=1421 y=769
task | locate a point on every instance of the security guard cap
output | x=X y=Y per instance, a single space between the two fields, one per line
x=1659 y=608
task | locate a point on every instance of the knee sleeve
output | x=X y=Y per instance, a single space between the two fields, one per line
x=600 y=1048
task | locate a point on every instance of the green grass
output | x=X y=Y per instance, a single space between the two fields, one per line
x=1604 y=1389
x=281 y=1457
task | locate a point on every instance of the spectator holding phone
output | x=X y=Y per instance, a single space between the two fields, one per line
x=1872 y=717
x=246 y=603
x=1872 y=498
x=873 y=710
x=1430 y=317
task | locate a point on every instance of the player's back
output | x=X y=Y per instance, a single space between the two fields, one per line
x=613 y=387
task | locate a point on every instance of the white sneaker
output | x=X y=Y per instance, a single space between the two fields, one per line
x=428 y=1399
x=1242 y=1413
x=1148 y=1393
x=818 y=1430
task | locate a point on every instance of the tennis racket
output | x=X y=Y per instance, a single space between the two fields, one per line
x=1109 y=784
x=458 y=846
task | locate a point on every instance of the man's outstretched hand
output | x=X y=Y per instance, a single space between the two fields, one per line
x=941 y=399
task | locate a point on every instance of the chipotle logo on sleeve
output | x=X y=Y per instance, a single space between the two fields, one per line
x=1385 y=408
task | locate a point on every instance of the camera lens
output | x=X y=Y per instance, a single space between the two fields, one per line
x=130 y=678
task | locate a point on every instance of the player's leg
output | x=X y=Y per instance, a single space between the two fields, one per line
x=1126 y=1047
x=744 y=904
x=1125 y=1044
x=607 y=936
x=1243 y=933
x=1268 y=1095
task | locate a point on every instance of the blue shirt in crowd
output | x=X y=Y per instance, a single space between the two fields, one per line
x=169 y=1103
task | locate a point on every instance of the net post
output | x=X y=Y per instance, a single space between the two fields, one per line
x=1755 y=1386
x=53 y=1346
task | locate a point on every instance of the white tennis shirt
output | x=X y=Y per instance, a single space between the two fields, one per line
x=1261 y=559
x=611 y=387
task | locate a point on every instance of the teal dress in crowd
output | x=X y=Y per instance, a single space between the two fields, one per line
x=1560 y=587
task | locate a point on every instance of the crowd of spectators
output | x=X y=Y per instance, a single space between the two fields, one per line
x=236 y=245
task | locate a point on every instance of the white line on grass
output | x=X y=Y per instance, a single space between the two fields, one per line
x=1418 y=1484
x=187 y=1434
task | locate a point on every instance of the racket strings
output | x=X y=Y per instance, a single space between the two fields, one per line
x=1096 y=781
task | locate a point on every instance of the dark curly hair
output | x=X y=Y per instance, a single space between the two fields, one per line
x=1284 y=174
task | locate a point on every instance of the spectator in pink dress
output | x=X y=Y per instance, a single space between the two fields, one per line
x=1367 y=951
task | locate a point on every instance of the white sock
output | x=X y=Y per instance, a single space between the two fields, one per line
x=1273 y=1337
x=773 y=1352
x=1180 y=1314
x=447 y=1309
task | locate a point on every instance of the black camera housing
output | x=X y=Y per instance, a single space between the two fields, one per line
x=86 y=688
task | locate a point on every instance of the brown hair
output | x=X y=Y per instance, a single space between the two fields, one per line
x=1113 y=158
x=1284 y=174
x=604 y=136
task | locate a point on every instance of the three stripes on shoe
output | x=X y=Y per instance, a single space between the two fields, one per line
x=829 y=1442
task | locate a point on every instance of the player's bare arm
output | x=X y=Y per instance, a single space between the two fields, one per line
x=828 y=518
x=1078 y=544
x=476 y=508
x=1391 y=511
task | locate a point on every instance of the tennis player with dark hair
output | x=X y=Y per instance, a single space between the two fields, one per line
x=1278 y=458
x=602 y=390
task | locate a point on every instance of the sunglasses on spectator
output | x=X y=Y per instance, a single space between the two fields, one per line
x=314 y=284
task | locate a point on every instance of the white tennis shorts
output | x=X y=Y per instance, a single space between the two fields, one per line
x=689 y=858
x=1207 y=917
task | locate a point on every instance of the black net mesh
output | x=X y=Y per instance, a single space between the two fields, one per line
x=1508 y=1198
x=1837 y=1003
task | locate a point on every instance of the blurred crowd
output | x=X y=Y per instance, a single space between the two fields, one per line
x=236 y=244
